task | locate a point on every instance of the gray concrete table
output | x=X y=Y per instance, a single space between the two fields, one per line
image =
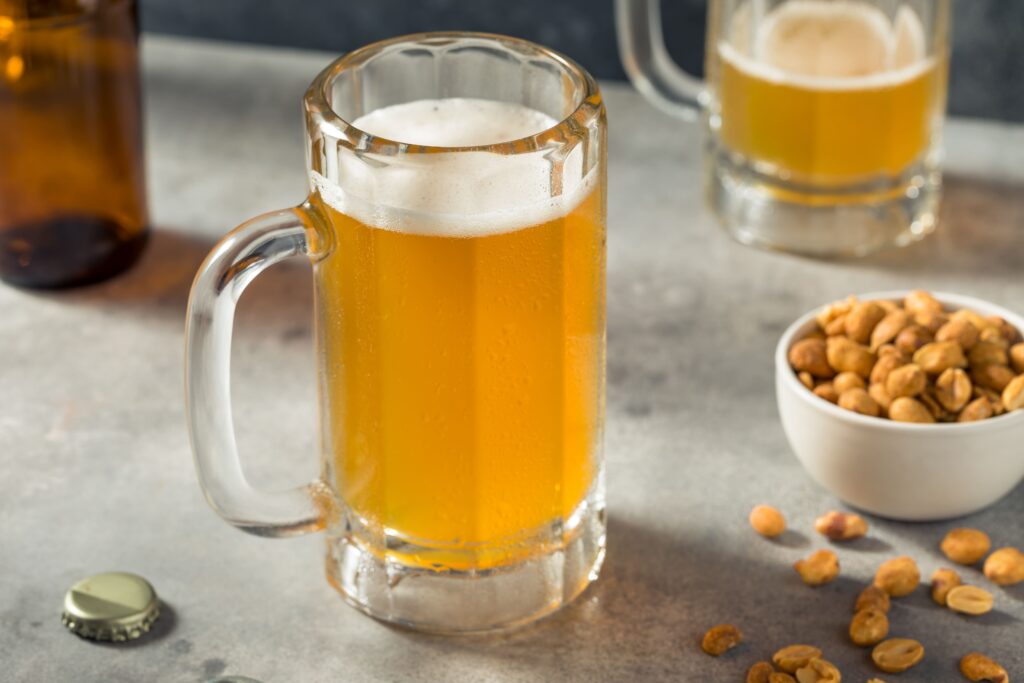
x=97 y=472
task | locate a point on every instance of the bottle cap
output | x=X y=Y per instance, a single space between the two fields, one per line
x=114 y=606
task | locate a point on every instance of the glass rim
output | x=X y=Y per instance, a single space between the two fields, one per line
x=586 y=106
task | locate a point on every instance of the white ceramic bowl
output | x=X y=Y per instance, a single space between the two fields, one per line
x=894 y=469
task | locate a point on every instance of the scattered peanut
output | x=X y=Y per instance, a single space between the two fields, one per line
x=720 y=639
x=760 y=672
x=1005 y=566
x=898 y=577
x=841 y=526
x=808 y=355
x=943 y=581
x=767 y=521
x=953 y=389
x=859 y=401
x=965 y=546
x=977 y=667
x=818 y=568
x=897 y=654
x=869 y=627
x=1013 y=394
x=818 y=671
x=908 y=380
x=847 y=380
x=873 y=597
x=793 y=657
x=906 y=409
x=969 y=600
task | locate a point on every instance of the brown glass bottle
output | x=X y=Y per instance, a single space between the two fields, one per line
x=72 y=190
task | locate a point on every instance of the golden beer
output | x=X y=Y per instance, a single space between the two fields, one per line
x=463 y=390
x=829 y=93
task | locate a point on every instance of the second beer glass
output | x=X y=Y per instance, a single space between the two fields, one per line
x=457 y=229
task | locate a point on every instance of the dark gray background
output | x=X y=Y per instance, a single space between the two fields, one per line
x=986 y=80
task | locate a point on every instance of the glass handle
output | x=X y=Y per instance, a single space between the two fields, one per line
x=242 y=255
x=650 y=68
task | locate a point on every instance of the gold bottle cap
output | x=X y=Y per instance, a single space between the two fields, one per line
x=114 y=606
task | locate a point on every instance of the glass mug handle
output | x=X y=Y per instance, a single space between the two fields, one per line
x=648 y=64
x=242 y=255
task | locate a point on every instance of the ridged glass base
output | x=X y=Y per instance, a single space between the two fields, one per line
x=393 y=589
x=855 y=220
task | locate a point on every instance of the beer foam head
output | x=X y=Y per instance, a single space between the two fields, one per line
x=459 y=193
x=829 y=44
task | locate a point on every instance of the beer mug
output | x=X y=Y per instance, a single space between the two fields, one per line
x=456 y=230
x=822 y=117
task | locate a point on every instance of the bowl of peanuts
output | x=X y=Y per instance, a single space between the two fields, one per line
x=906 y=404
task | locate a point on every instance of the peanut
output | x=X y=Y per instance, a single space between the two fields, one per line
x=1013 y=394
x=943 y=581
x=834 y=310
x=847 y=380
x=1005 y=566
x=793 y=657
x=818 y=568
x=846 y=355
x=906 y=409
x=881 y=396
x=759 y=672
x=859 y=401
x=873 y=597
x=826 y=391
x=869 y=627
x=965 y=546
x=994 y=398
x=911 y=338
x=779 y=677
x=767 y=521
x=992 y=376
x=908 y=380
x=960 y=331
x=898 y=577
x=806 y=378
x=720 y=639
x=1017 y=356
x=953 y=389
x=887 y=329
x=836 y=327
x=977 y=667
x=920 y=301
x=861 y=320
x=1010 y=333
x=978 y=409
x=987 y=353
x=808 y=355
x=897 y=654
x=841 y=526
x=818 y=671
x=995 y=336
x=938 y=356
x=931 y=320
x=884 y=367
x=969 y=600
